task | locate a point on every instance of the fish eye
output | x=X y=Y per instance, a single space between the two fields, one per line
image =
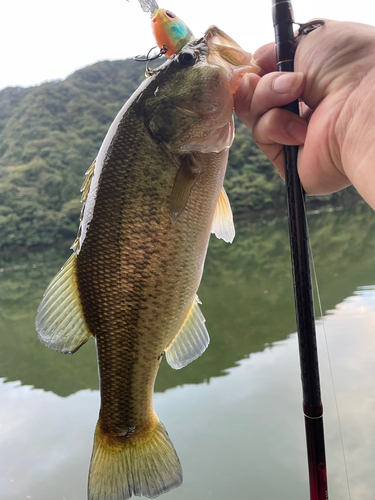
x=170 y=14
x=187 y=58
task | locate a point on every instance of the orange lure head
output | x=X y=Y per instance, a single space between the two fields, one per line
x=170 y=31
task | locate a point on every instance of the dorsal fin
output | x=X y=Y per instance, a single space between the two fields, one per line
x=86 y=185
x=85 y=192
x=222 y=225
x=60 y=322
x=191 y=341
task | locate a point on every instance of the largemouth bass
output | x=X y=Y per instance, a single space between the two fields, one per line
x=150 y=201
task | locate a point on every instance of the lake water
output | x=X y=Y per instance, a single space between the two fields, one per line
x=235 y=414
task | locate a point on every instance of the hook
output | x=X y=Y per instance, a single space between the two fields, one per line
x=163 y=51
x=148 y=58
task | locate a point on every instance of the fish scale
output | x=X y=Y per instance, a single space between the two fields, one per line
x=135 y=288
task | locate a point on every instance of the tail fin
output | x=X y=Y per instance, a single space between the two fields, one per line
x=122 y=467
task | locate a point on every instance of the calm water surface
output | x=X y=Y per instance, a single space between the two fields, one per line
x=235 y=414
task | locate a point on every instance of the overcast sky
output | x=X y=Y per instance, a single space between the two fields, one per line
x=42 y=40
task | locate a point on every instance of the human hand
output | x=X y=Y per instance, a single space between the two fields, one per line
x=335 y=80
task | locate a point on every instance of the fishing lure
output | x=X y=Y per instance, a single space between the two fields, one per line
x=170 y=32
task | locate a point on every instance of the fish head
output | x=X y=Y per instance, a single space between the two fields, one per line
x=191 y=108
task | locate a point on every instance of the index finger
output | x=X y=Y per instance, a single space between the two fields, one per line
x=265 y=57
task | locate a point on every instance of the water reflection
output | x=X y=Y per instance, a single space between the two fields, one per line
x=22 y=357
x=239 y=436
x=246 y=293
x=45 y=443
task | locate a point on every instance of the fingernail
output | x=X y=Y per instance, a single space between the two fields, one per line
x=287 y=83
x=297 y=130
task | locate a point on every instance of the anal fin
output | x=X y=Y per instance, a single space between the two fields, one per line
x=191 y=341
x=222 y=225
x=60 y=322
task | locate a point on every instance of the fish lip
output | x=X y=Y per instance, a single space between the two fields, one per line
x=225 y=52
x=236 y=75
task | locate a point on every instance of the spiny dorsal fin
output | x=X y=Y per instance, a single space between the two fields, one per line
x=191 y=341
x=85 y=191
x=60 y=322
x=222 y=225
x=86 y=185
x=183 y=184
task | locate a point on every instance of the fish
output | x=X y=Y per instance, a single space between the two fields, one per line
x=150 y=201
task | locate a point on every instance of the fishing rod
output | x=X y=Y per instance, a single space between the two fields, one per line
x=285 y=46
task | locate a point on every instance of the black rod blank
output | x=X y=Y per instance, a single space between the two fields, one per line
x=285 y=47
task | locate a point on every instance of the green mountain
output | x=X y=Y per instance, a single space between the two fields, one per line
x=50 y=134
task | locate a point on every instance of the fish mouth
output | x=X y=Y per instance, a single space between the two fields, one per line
x=225 y=52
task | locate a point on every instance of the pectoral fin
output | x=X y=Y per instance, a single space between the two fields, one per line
x=183 y=184
x=222 y=225
x=191 y=341
x=60 y=322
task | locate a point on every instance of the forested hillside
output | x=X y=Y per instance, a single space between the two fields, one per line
x=50 y=134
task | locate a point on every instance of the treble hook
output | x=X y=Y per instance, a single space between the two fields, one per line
x=148 y=58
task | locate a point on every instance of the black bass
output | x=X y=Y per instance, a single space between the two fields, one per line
x=150 y=201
